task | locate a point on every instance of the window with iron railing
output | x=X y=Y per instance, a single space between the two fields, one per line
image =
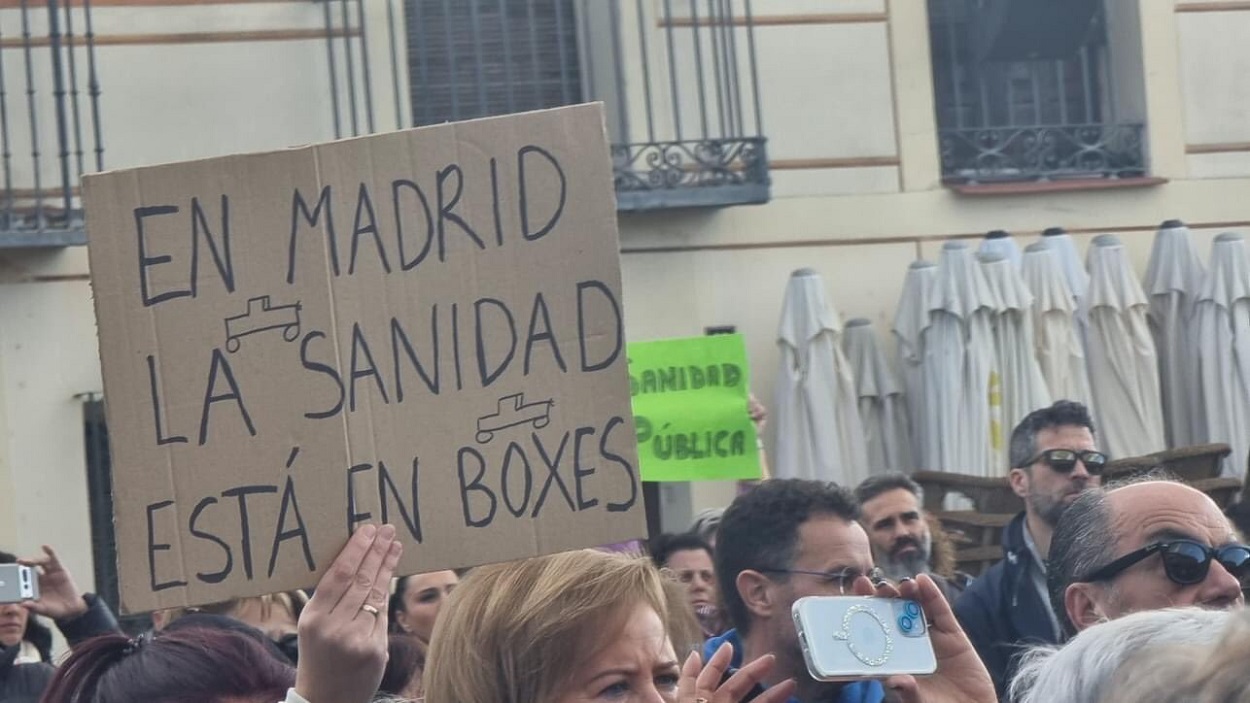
x=1023 y=92
x=488 y=57
x=678 y=78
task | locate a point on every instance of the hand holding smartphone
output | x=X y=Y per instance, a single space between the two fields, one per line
x=18 y=583
x=855 y=637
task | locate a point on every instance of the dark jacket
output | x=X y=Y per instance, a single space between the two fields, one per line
x=24 y=683
x=952 y=587
x=21 y=683
x=1002 y=612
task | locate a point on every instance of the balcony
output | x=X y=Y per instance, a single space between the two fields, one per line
x=49 y=132
x=678 y=78
x=1030 y=96
x=1044 y=153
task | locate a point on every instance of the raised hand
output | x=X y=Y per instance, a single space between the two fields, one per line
x=702 y=684
x=59 y=598
x=342 y=631
x=960 y=675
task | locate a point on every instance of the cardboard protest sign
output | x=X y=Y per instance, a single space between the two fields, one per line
x=690 y=407
x=421 y=327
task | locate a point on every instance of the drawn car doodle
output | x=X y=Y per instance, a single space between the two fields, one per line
x=262 y=316
x=511 y=412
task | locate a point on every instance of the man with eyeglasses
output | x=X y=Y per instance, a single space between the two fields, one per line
x=1143 y=545
x=1053 y=457
x=783 y=540
x=790 y=538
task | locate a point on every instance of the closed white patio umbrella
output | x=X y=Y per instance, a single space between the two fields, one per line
x=1023 y=389
x=1123 y=363
x=911 y=324
x=882 y=407
x=1060 y=354
x=819 y=433
x=1069 y=260
x=960 y=363
x=1000 y=242
x=1173 y=279
x=1223 y=326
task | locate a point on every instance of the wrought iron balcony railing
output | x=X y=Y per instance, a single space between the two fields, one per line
x=678 y=77
x=1049 y=152
x=49 y=134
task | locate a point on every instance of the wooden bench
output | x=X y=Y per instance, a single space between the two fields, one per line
x=975 y=560
x=988 y=495
x=1196 y=463
x=1222 y=490
x=974 y=529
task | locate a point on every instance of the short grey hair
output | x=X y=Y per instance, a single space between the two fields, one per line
x=706 y=523
x=1084 y=541
x=874 y=486
x=1084 y=670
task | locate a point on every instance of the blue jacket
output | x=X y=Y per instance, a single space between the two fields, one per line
x=857 y=692
x=1002 y=612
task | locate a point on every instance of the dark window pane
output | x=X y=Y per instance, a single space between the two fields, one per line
x=476 y=58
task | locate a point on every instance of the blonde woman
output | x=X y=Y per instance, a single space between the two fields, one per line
x=574 y=627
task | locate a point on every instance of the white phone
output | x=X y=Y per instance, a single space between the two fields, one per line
x=18 y=583
x=855 y=637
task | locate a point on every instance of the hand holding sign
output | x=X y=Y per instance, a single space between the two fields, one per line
x=342 y=631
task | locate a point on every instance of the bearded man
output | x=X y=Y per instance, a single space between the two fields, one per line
x=906 y=540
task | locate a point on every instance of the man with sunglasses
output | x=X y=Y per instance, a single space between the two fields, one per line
x=1053 y=457
x=1144 y=545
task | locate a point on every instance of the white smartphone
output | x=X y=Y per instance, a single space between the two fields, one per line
x=18 y=583
x=855 y=637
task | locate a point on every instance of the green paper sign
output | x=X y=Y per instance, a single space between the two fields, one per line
x=690 y=407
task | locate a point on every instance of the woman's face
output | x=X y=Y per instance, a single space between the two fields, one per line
x=276 y=621
x=424 y=595
x=638 y=665
x=693 y=567
x=12 y=624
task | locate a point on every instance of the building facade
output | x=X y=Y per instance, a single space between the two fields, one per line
x=750 y=139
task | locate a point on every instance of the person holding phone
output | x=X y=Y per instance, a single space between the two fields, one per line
x=792 y=538
x=26 y=644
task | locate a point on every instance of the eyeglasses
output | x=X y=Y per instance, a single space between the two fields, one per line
x=842 y=576
x=1185 y=561
x=1064 y=460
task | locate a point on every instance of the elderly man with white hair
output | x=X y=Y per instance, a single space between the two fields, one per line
x=1084 y=670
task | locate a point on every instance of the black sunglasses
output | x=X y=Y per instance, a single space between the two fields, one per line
x=1185 y=561
x=1064 y=460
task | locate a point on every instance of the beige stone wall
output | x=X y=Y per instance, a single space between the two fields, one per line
x=848 y=107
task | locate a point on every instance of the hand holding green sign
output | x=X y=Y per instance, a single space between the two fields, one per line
x=690 y=408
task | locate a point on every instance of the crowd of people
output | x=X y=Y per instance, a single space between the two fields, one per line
x=1105 y=594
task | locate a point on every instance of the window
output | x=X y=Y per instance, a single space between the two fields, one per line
x=1023 y=92
x=490 y=57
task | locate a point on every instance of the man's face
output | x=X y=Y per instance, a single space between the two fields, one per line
x=901 y=542
x=1047 y=492
x=1158 y=511
x=826 y=544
